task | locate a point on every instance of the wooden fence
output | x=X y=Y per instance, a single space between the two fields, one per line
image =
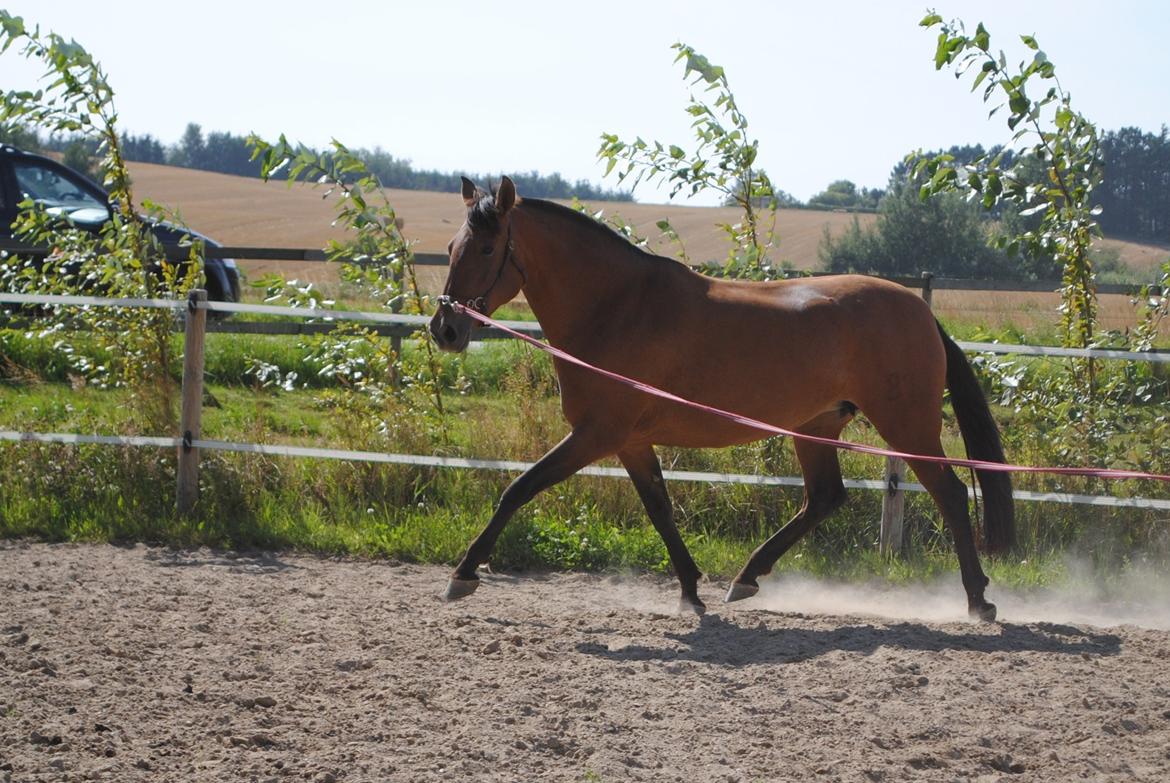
x=894 y=498
x=400 y=326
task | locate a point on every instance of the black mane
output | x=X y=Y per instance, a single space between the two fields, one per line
x=582 y=220
x=484 y=215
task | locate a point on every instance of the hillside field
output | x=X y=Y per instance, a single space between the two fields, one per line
x=241 y=211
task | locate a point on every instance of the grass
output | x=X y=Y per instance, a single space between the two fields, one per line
x=509 y=411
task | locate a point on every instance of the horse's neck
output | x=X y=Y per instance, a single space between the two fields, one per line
x=574 y=277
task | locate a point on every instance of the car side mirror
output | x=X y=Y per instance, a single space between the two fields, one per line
x=90 y=217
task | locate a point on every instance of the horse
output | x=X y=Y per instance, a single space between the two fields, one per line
x=806 y=354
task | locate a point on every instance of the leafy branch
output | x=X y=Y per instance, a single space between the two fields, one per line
x=376 y=257
x=1050 y=132
x=723 y=160
x=1087 y=410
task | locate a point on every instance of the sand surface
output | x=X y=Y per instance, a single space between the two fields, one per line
x=145 y=664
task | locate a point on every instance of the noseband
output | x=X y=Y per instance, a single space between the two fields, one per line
x=479 y=303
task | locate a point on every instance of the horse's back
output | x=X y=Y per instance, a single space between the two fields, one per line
x=815 y=318
x=782 y=352
x=855 y=297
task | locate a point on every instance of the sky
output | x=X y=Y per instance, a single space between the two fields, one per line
x=833 y=90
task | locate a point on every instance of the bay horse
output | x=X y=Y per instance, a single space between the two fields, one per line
x=805 y=354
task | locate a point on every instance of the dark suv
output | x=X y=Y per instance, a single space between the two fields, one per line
x=61 y=189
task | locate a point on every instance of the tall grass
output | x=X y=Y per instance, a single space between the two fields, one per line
x=509 y=409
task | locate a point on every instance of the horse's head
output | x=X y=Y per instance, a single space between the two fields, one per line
x=483 y=272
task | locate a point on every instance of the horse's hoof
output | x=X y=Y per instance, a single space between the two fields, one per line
x=984 y=612
x=460 y=588
x=739 y=591
x=691 y=606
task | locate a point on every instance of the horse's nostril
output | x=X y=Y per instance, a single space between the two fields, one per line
x=449 y=334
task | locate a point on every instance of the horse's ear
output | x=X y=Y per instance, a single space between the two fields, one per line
x=505 y=196
x=468 y=192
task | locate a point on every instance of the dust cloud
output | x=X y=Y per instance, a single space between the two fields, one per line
x=1139 y=597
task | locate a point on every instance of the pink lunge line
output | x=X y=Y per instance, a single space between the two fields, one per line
x=1104 y=473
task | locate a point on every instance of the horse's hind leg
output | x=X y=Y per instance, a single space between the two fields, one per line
x=646 y=472
x=824 y=492
x=950 y=495
x=921 y=436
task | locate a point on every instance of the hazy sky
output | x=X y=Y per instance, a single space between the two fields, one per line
x=832 y=90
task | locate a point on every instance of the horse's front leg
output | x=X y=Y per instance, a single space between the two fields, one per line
x=580 y=447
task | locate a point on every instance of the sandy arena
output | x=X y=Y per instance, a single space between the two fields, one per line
x=142 y=664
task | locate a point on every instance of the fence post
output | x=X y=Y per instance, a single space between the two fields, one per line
x=894 y=499
x=191 y=416
x=396 y=307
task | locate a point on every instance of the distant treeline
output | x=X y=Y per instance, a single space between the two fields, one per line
x=227 y=153
x=1135 y=196
x=951 y=236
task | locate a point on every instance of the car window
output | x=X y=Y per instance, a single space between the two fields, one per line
x=52 y=188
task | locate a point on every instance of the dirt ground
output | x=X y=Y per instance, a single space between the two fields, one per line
x=128 y=664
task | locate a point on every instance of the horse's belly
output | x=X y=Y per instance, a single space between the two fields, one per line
x=670 y=424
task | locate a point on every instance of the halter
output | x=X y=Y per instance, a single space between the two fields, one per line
x=479 y=303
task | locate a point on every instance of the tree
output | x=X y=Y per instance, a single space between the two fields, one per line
x=20 y=135
x=124 y=257
x=774 y=200
x=191 y=149
x=840 y=193
x=144 y=148
x=376 y=258
x=1135 y=193
x=843 y=194
x=228 y=154
x=1062 y=139
x=78 y=158
x=945 y=235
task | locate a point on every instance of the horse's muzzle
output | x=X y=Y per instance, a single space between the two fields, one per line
x=451 y=330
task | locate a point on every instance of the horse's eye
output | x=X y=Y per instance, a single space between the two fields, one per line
x=487 y=250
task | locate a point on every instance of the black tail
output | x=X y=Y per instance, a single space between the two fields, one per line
x=981 y=437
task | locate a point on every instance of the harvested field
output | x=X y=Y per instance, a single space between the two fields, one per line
x=1026 y=309
x=244 y=211
x=135 y=663
x=241 y=211
x=247 y=212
